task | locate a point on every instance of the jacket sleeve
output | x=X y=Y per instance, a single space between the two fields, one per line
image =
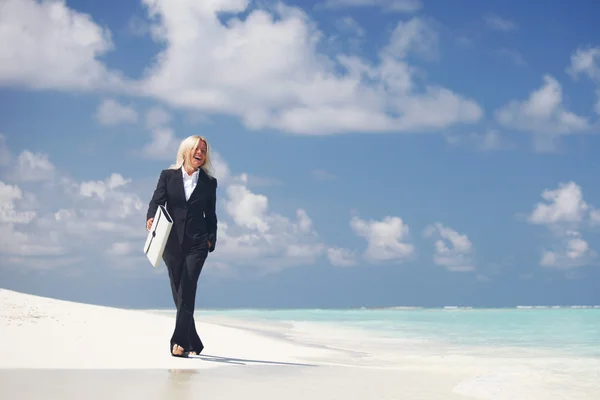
x=159 y=197
x=211 y=217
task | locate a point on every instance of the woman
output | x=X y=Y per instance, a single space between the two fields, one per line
x=189 y=192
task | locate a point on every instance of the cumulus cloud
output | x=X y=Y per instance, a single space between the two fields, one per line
x=573 y=251
x=252 y=235
x=490 y=140
x=9 y=194
x=33 y=167
x=247 y=209
x=100 y=224
x=542 y=114
x=163 y=145
x=5 y=156
x=565 y=213
x=47 y=45
x=287 y=83
x=110 y=112
x=453 y=250
x=60 y=221
x=564 y=204
x=341 y=257
x=157 y=117
x=586 y=61
x=386 y=239
x=17 y=233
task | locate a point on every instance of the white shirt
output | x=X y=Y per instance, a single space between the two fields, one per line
x=189 y=182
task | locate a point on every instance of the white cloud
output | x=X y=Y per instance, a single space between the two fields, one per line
x=157 y=117
x=350 y=38
x=563 y=204
x=498 y=23
x=47 y=45
x=286 y=83
x=100 y=223
x=18 y=237
x=60 y=221
x=405 y=6
x=453 y=250
x=221 y=168
x=543 y=114
x=45 y=262
x=246 y=208
x=110 y=112
x=487 y=141
x=32 y=167
x=121 y=249
x=5 y=156
x=340 y=257
x=414 y=35
x=572 y=252
x=258 y=237
x=385 y=239
x=586 y=61
x=9 y=194
x=115 y=203
x=565 y=213
x=163 y=146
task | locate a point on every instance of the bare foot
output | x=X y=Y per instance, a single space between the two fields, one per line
x=177 y=350
x=193 y=353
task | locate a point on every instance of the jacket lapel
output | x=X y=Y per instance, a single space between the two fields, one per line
x=199 y=183
x=178 y=182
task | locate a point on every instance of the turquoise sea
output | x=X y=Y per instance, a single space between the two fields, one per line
x=572 y=331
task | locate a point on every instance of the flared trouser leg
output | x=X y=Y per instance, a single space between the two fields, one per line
x=184 y=271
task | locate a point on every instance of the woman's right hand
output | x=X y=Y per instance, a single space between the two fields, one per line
x=149 y=224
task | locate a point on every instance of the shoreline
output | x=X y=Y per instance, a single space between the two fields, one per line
x=51 y=341
x=45 y=333
x=283 y=329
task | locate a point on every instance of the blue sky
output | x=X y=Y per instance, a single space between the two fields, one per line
x=369 y=152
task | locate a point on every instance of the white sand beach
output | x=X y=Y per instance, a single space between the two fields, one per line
x=59 y=349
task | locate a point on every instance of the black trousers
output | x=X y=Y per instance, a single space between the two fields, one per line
x=184 y=268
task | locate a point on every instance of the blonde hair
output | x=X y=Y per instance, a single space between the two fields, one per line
x=187 y=145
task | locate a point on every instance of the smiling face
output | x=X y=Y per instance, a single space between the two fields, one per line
x=198 y=155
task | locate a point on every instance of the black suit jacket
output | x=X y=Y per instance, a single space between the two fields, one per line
x=194 y=219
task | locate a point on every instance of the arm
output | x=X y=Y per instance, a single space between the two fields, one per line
x=158 y=198
x=211 y=217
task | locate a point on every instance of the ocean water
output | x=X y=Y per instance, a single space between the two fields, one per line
x=571 y=331
x=528 y=353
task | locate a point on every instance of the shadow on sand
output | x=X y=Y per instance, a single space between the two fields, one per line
x=243 y=361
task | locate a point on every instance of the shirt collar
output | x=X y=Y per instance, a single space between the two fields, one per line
x=193 y=177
